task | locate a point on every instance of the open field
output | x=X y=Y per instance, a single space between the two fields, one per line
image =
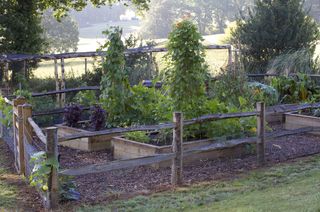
x=216 y=59
x=288 y=187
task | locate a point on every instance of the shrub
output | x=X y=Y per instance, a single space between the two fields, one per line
x=274 y=28
x=72 y=114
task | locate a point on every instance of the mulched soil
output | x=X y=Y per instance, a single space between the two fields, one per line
x=95 y=188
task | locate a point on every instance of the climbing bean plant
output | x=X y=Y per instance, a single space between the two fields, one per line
x=187 y=68
x=114 y=83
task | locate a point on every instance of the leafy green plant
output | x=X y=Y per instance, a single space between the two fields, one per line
x=261 y=92
x=41 y=170
x=25 y=93
x=187 y=69
x=6 y=111
x=138 y=136
x=40 y=175
x=149 y=105
x=294 y=89
x=86 y=98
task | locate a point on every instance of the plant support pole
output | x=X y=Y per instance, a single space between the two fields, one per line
x=177 y=149
x=261 y=133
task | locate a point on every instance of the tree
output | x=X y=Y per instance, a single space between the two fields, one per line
x=209 y=15
x=273 y=28
x=20 y=31
x=20 y=28
x=61 y=36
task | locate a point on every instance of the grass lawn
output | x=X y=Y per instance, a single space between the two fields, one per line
x=8 y=191
x=287 y=187
x=15 y=194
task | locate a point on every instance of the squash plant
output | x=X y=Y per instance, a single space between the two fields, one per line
x=40 y=175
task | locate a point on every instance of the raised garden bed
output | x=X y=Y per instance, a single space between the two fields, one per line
x=128 y=149
x=95 y=143
x=295 y=121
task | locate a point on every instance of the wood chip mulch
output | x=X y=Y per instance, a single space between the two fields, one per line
x=95 y=188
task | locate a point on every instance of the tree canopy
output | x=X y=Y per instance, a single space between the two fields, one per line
x=209 y=15
x=60 y=36
x=60 y=7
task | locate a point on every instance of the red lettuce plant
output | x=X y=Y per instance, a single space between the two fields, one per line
x=72 y=114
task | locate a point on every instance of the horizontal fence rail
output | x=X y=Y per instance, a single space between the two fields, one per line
x=277 y=75
x=37 y=130
x=22 y=57
x=54 y=111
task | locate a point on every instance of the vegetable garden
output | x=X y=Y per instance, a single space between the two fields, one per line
x=183 y=118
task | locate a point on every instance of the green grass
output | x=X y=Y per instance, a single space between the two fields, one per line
x=8 y=192
x=290 y=187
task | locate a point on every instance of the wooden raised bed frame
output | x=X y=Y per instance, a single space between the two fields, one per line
x=295 y=121
x=95 y=143
x=128 y=149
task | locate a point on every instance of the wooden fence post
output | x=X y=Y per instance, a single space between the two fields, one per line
x=230 y=56
x=20 y=144
x=177 y=148
x=17 y=124
x=63 y=84
x=27 y=130
x=53 y=181
x=6 y=74
x=85 y=65
x=56 y=76
x=260 y=133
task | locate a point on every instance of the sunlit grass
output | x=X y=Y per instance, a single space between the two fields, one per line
x=8 y=192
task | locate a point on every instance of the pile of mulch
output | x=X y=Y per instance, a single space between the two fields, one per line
x=100 y=187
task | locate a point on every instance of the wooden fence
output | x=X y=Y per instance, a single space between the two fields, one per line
x=61 y=83
x=28 y=135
